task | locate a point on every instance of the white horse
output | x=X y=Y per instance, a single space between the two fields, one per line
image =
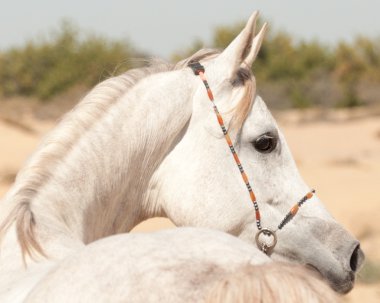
x=178 y=265
x=146 y=144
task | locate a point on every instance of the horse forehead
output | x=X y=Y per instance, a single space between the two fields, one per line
x=260 y=116
x=259 y=106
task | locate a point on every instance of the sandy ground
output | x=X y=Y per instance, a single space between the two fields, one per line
x=338 y=154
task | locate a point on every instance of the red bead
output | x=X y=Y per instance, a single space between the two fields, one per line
x=294 y=209
x=258 y=216
x=252 y=195
x=210 y=95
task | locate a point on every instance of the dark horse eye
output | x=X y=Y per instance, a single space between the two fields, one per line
x=265 y=143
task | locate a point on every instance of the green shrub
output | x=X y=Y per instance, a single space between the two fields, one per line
x=46 y=68
x=298 y=98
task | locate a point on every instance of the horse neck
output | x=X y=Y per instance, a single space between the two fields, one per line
x=99 y=187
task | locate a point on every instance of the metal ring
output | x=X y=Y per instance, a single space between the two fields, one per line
x=264 y=246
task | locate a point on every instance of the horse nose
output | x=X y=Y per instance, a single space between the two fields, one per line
x=357 y=258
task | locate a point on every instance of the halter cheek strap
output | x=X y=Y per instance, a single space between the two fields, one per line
x=266 y=247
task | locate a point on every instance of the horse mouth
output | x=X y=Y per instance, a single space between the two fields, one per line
x=347 y=286
x=338 y=286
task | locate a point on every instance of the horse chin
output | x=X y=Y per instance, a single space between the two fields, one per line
x=337 y=285
x=342 y=286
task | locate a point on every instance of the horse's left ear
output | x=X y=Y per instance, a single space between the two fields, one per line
x=256 y=45
x=243 y=49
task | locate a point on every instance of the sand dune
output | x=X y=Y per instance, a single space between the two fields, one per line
x=340 y=157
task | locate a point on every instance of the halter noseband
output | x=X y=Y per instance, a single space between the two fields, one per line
x=267 y=248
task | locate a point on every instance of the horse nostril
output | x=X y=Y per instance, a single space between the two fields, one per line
x=354 y=261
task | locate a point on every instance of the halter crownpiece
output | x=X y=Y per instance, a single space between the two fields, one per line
x=266 y=247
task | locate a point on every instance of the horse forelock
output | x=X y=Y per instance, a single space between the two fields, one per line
x=241 y=111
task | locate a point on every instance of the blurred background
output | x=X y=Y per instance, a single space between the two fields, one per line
x=318 y=71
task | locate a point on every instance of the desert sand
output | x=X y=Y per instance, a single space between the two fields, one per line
x=338 y=154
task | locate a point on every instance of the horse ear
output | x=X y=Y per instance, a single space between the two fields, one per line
x=241 y=47
x=256 y=45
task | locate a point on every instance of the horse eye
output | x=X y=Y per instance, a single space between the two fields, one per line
x=265 y=143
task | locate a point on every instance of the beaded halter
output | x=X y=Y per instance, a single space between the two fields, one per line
x=266 y=247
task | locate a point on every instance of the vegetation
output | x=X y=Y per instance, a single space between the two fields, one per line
x=46 y=68
x=290 y=73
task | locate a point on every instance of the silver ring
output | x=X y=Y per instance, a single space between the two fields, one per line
x=263 y=245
